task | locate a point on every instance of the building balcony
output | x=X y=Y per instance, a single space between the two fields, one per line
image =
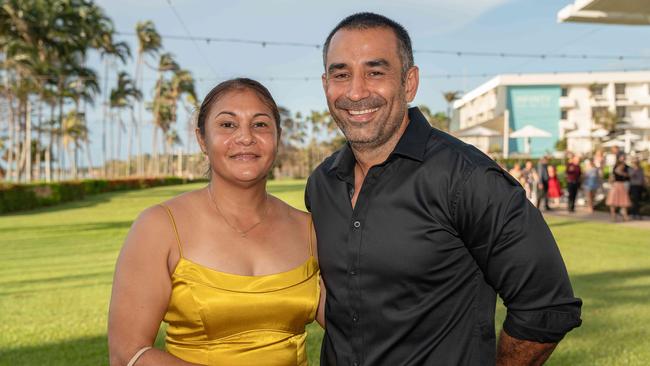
x=566 y=102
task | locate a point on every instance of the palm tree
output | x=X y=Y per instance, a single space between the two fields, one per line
x=437 y=120
x=75 y=131
x=123 y=96
x=149 y=42
x=450 y=97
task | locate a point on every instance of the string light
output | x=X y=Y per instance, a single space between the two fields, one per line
x=457 y=53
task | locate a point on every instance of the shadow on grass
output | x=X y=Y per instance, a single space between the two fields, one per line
x=604 y=294
x=80 y=351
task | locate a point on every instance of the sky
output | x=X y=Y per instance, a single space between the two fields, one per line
x=292 y=74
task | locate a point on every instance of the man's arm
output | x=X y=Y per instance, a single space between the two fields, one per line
x=517 y=254
x=516 y=352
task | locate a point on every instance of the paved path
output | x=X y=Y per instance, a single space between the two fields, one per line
x=582 y=214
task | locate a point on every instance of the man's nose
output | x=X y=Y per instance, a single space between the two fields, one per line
x=358 y=88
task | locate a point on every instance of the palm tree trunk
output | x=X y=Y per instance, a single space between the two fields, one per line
x=60 y=149
x=48 y=151
x=12 y=138
x=28 y=141
x=104 y=116
x=89 y=159
x=140 y=123
x=120 y=128
x=129 y=143
x=39 y=128
x=154 y=153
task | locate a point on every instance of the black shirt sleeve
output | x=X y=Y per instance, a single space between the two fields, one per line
x=307 y=202
x=513 y=246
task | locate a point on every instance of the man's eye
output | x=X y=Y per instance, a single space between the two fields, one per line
x=376 y=73
x=340 y=76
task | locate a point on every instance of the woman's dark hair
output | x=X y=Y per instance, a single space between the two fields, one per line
x=238 y=84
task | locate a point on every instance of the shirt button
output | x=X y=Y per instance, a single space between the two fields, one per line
x=355 y=317
x=356 y=224
x=353 y=272
x=355 y=363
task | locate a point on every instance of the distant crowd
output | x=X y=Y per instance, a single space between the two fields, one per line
x=623 y=189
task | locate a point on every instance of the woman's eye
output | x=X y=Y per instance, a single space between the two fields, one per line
x=227 y=124
x=260 y=124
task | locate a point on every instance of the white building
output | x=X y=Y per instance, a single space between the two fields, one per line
x=567 y=105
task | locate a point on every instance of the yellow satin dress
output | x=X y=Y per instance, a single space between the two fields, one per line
x=217 y=318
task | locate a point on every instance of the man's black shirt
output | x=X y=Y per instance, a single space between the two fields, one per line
x=412 y=272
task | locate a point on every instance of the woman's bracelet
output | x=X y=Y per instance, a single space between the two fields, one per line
x=137 y=355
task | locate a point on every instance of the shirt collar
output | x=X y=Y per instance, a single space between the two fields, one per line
x=412 y=144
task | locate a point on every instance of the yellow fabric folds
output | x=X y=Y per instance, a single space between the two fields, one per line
x=217 y=318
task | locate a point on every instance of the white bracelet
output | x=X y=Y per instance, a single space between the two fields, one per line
x=137 y=355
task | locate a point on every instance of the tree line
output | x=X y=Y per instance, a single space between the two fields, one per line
x=47 y=90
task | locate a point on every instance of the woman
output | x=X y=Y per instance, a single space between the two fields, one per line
x=637 y=186
x=230 y=268
x=591 y=184
x=554 y=187
x=617 y=197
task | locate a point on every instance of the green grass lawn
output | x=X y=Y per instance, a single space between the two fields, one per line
x=56 y=269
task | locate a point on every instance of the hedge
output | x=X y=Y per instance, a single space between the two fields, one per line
x=18 y=197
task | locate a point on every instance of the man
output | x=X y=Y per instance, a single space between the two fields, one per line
x=418 y=232
x=573 y=175
x=542 y=186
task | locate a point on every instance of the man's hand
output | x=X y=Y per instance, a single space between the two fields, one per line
x=516 y=352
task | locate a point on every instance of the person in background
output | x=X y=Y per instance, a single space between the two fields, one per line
x=617 y=197
x=554 y=187
x=637 y=186
x=531 y=179
x=516 y=171
x=542 y=185
x=573 y=175
x=599 y=160
x=590 y=184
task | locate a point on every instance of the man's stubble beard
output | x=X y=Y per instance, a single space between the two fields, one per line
x=385 y=130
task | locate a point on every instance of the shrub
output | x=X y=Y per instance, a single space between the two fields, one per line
x=17 y=197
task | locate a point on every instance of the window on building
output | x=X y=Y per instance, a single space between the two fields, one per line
x=564 y=114
x=597 y=90
x=565 y=91
x=620 y=112
x=620 y=90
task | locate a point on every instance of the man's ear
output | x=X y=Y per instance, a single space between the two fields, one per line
x=323 y=79
x=412 y=82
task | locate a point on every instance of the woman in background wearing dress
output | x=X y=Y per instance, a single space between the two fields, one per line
x=591 y=183
x=617 y=197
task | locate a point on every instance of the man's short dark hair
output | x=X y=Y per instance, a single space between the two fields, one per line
x=362 y=21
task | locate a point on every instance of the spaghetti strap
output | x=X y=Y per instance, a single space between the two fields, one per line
x=311 y=239
x=178 y=239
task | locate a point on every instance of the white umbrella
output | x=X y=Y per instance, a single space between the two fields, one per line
x=527 y=132
x=612 y=143
x=628 y=137
x=579 y=134
x=478 y=131
x=599 y=133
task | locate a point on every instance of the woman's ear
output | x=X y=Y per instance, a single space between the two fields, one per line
x=201 y=140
